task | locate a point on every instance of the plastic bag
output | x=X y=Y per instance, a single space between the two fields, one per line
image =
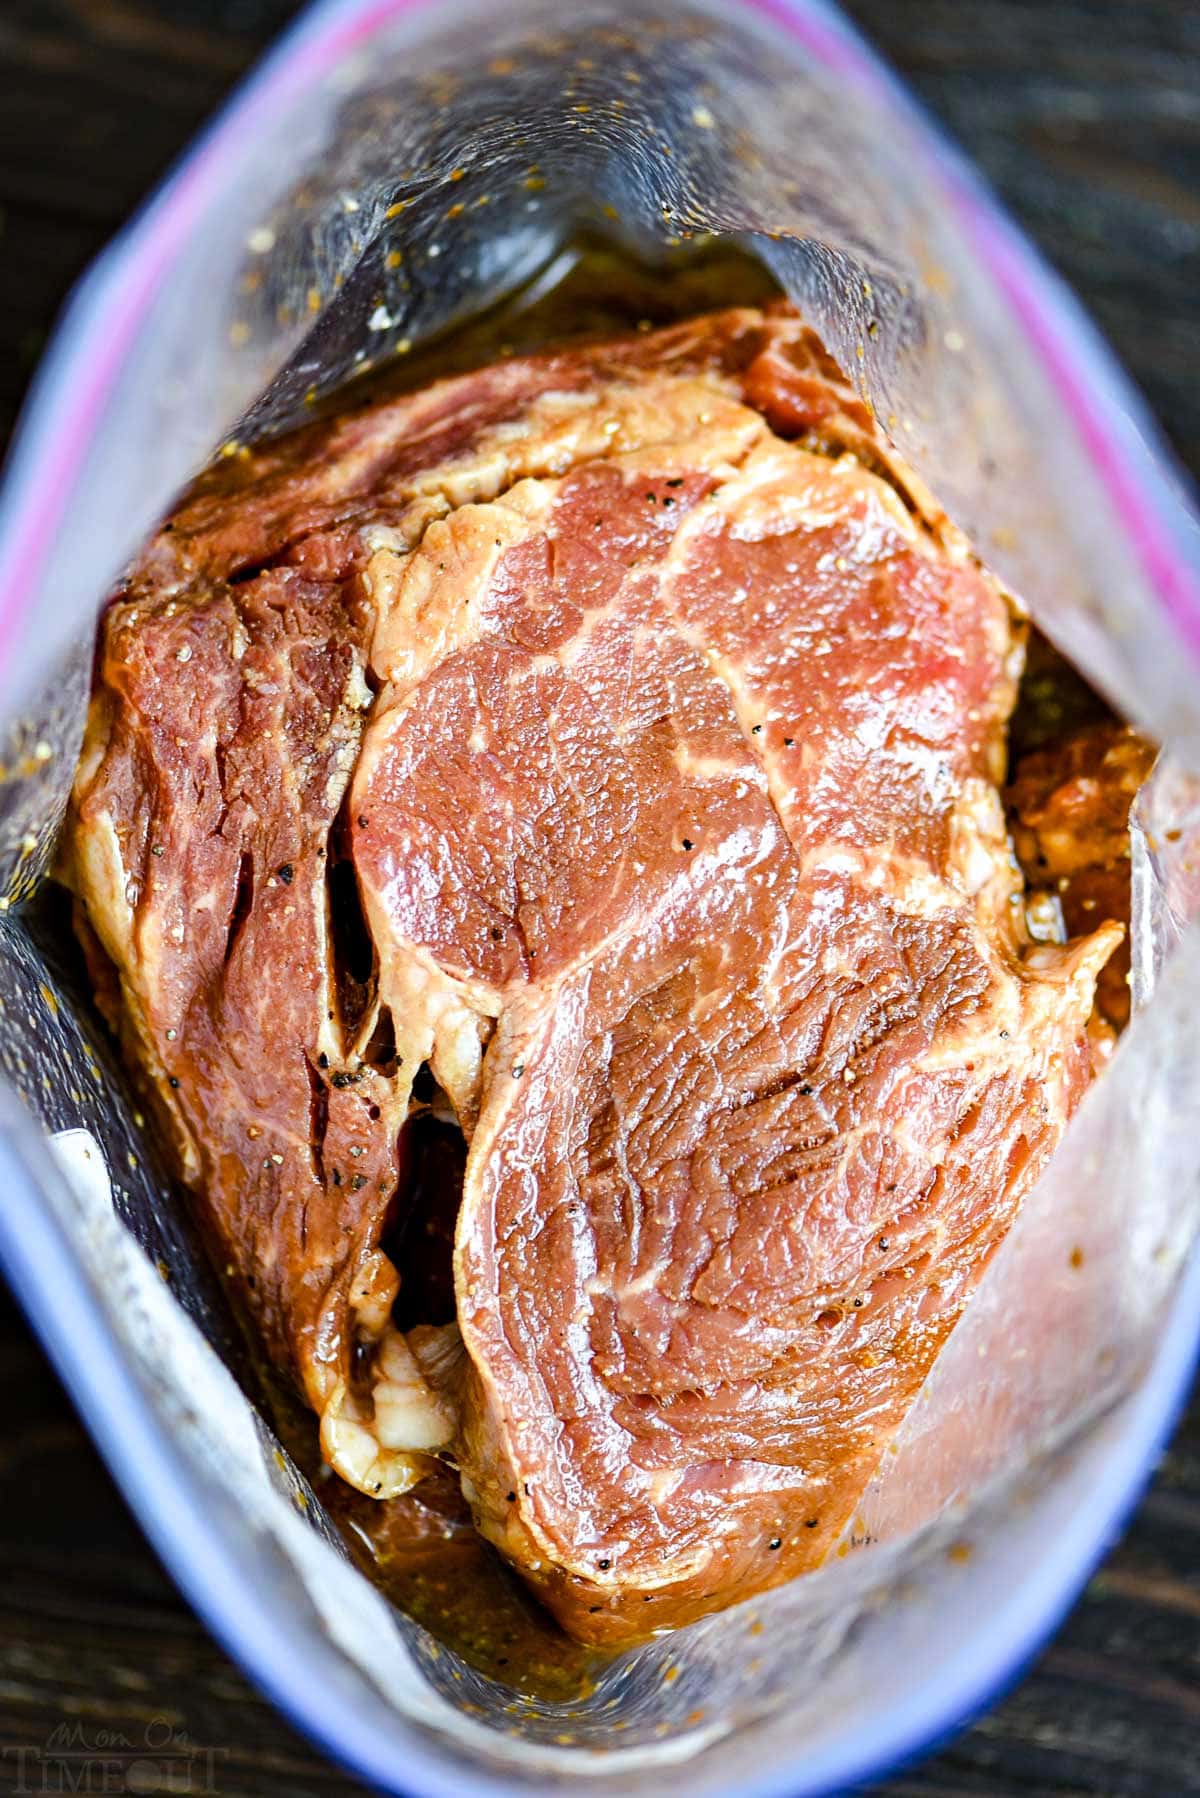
x=392 y=169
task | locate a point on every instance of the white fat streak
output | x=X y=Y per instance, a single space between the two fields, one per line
x=409 y=1415
x=98 y=874
x=713 y=767
x=437 y=1018
x=1027 y=1022
x=689 y=417
x=598 y=1287
x=979 y=841
x=781 y=489
x=427 y=603
x=661 y=1484
x=372 y=1295
x=1044 y=918
x=351 y=1446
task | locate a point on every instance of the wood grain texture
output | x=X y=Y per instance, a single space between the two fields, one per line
x=1087 y=117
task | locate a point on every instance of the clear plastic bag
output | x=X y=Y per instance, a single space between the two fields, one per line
x=392 y=169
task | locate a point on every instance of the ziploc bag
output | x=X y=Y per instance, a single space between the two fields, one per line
x=391 y=169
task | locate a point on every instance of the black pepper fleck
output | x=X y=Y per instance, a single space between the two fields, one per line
x=687 y=843
x=285 y=874
x=172 y=1081
x=358 y=1182
x=322 y=1060
x=604 y=1564
x=775 y=1542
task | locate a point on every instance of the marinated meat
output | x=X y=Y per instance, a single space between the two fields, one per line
x=1069 y=804
x=616 y=734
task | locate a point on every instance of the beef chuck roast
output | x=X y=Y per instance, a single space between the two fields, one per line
x=615 y=732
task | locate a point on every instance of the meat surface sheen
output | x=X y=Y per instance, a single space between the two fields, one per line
x=615 y=732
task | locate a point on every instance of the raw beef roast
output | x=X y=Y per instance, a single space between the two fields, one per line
x=600 y=750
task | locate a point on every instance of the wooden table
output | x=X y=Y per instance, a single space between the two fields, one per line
x=1087 y=116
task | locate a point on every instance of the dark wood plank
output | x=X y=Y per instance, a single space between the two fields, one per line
x=1087 y=117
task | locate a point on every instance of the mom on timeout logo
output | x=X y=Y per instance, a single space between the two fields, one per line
x=77 y=1759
